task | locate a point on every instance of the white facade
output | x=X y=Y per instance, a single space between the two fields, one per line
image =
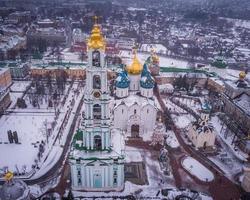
x=134 y=82
x=146 y=92
x=201 y=134
x=121 y=92
x=136 y=115
x=96 y=158
x=97 y=175
x=202 y=139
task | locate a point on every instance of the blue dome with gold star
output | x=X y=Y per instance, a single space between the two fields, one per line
x=122 y=80
x=147 y=80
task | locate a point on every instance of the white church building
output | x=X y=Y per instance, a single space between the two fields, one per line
x=201 y=133
x=97 y=153
x=135 y=109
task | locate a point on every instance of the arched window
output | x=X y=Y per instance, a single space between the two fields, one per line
x=97 y=142
x=134 y=111
x=97 y=111
x=96 y=82
x=96 y=59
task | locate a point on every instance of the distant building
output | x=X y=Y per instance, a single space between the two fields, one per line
x=46 y=23
x=236 y=99
x=51 y=36
x=126 y=43
x=10 y=46
x=72 y=71
x=20 y=70
x=20 y=17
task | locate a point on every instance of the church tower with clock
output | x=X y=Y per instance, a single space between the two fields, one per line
x=97 y=152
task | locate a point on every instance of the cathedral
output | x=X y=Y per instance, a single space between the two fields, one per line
x=135 y=110
x=97 y=153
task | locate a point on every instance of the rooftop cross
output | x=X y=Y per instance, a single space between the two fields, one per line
x=96 y=18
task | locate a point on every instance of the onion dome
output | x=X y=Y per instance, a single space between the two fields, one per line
x=147 y=80
x=14 y=189
x=136 y=67
x=241 y=83
x=154 y=57
x=206 y=107
x=96 y=40
x=122 y=81
x=242 y=75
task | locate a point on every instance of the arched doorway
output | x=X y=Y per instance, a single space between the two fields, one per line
x=135 y=128
x=205 y=145
x=97 y=142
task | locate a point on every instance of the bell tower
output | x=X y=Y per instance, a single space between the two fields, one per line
x=97 y=116
x=96 y=157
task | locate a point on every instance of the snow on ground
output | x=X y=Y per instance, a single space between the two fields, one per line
x=157 y=104
x=132 y=155
x=16 y=91
x=55 y=150
x=71 y=56
x=163 y=61
x=29 y=127
x=173 y=107
x=236 y=151
x=228 y=164
x=172 y=140
x=197 y=169
x=182 y=121
x=159 y=48
x=19 y=86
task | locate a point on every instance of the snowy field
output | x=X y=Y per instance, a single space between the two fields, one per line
x=172 y=140
x=19 y=86
x=31 y=125
x=228 y=141
x=197 y=169
x=164 y=61
x=16 y=91
x=182 y=121
x=30 y=130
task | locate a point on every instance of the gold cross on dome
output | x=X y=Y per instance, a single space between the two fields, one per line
x=96 y=18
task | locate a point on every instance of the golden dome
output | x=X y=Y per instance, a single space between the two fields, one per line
x=242 y=75
x=136 y=67
x=96 y=40
x=8 y=176
x=154 y=56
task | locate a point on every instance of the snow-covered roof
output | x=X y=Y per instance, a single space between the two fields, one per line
x=243 y=102
x=117 y=149
x=134 y=99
